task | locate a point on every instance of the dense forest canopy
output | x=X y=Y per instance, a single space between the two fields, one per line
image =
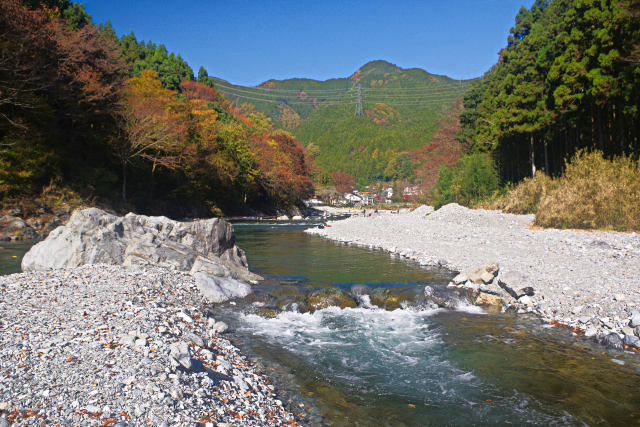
x=568 y=79
x=117 y=118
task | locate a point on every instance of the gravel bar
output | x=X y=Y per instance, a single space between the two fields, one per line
x=101 y=345
x=585 y=279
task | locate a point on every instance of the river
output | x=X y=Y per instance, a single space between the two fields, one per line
x=411 y=364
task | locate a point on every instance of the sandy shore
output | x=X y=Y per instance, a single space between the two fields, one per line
x=101 y=345
x=586 y=279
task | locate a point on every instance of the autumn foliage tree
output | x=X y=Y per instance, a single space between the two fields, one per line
x=58 y=88
x=343 y=181
x=153 y=123
x=116 y=118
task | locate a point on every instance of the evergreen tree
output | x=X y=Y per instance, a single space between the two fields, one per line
x=566 y=80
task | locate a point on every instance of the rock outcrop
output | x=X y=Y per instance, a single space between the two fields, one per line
x=92 y=236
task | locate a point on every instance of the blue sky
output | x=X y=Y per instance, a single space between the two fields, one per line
x=248 y=42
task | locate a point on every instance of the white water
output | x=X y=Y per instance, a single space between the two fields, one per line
x=395 y=355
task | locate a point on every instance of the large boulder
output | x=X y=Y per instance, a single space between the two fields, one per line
x=93 y=236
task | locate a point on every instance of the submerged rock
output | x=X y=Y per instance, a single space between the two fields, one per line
x=328 y=298
x=441 y=297
x=268 y=313
x=359 y=289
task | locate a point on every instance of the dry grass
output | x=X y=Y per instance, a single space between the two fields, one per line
x=594 y=193
x=525 y=197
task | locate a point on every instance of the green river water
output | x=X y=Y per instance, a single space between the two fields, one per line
x=413 y=366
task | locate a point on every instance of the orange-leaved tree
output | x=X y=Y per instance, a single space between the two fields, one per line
x=154 y=125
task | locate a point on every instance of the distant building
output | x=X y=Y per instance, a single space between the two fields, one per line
x=410 y=192
x=313 y=202
x=352 y=199
x=367 y=198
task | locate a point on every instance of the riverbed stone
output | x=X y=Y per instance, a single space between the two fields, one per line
x=526 y=300
x=613 y=341
x=220 y=289
x=631 y=341
x=634 y=321
x=460 y=279
x=591 y=331
x=482 y=275
x=219 y=327
x=267 y=312
x=69 y=366
x=511 y=280
x=181 y=353
x=485 y=298
x=194 y=339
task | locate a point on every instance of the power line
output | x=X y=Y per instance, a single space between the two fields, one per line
x=451 y=86
x=358 y=101
x=426 y=102
x=274 y=95
x=374 y=89
x=399 y=92
x=273 y=101
x=377 y=96
x=286 y=90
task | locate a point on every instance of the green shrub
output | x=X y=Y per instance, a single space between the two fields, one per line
x=473 y=179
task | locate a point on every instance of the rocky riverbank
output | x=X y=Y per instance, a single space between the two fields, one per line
x=586 y=280
x=15 y=225
x=101 y=345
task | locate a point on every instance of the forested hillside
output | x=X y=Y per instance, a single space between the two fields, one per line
x=568 y=79
x=400 y=112
x=123 y=122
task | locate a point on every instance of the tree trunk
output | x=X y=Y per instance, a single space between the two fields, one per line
x=533 y=160
x=124 y=181
x=546 y=157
